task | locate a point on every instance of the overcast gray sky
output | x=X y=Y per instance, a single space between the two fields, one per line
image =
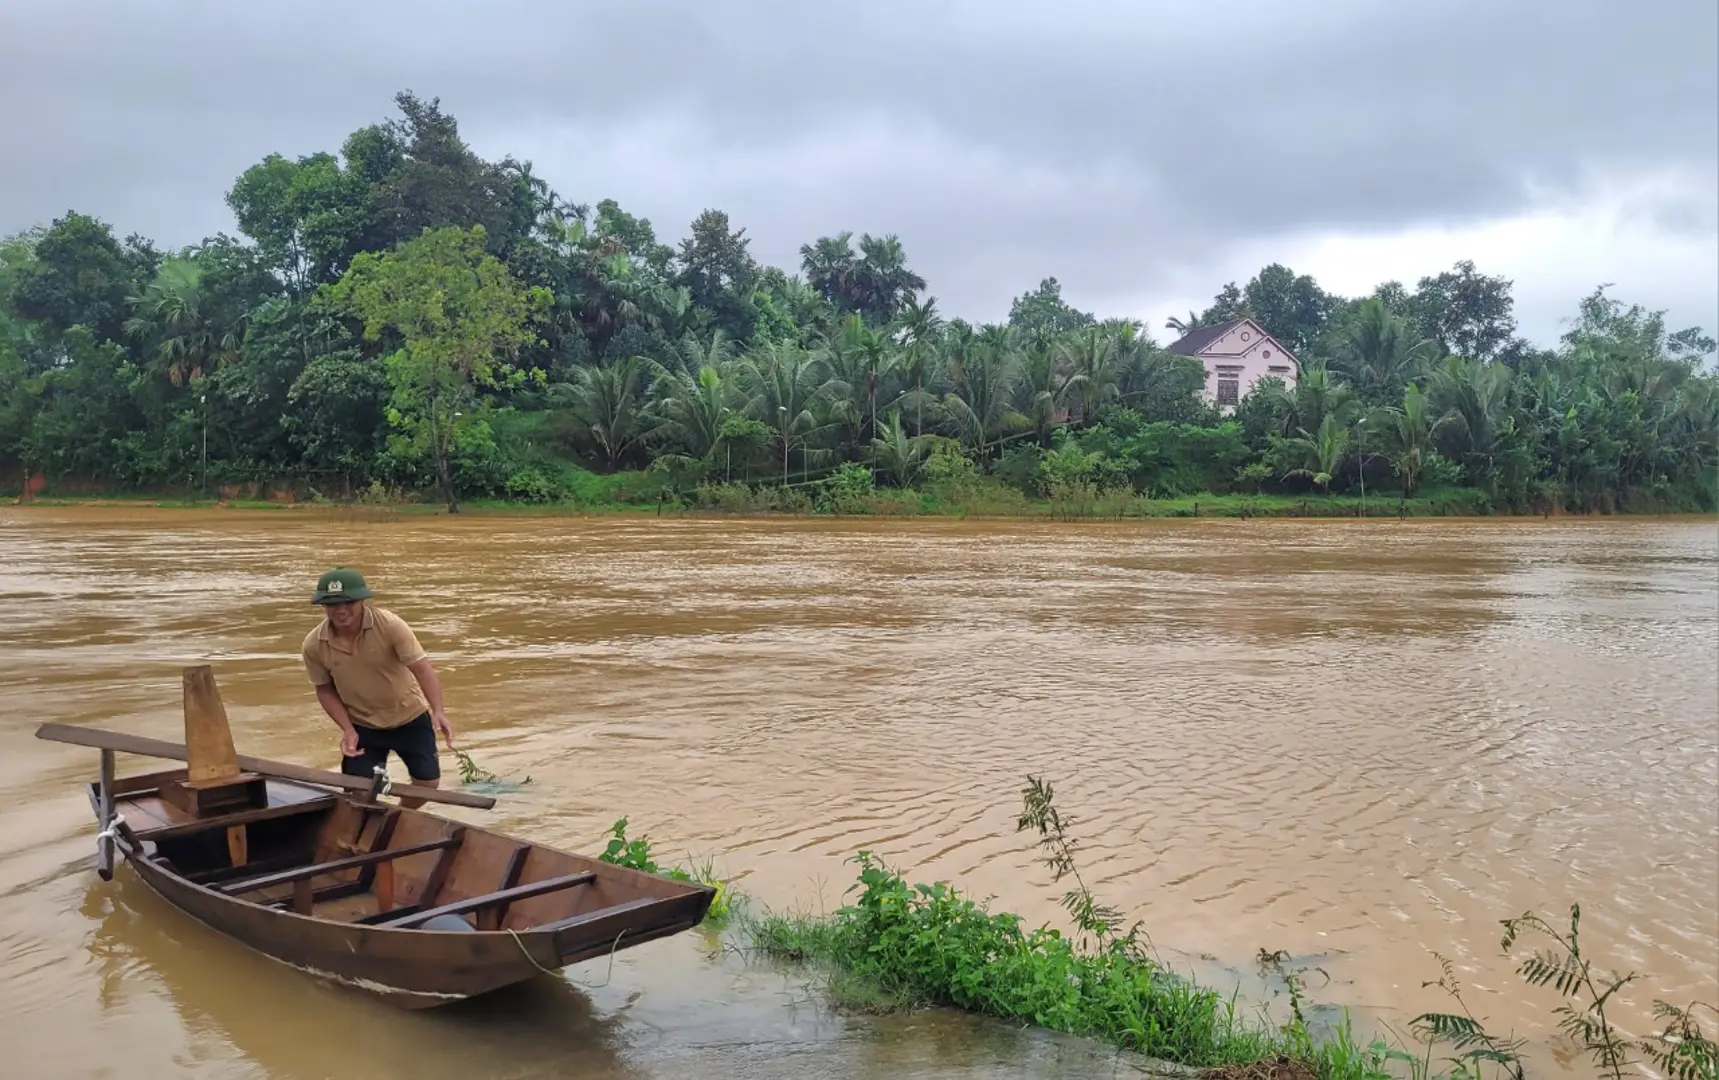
x=1144 y=153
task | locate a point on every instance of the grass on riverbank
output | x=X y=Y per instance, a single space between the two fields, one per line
x=901 y=946
x=990 y=502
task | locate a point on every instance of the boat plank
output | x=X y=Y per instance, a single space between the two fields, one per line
x=518 y=892
x=351 y=862
x=137 y=744
x=145 y=812
x=492 y=918
x=183 y=824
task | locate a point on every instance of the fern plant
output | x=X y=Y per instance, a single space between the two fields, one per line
x=1681 y=1050
x=1474 y=1045
x=1571 y=974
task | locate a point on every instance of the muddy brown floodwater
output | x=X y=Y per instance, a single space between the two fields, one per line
x=1355 y=742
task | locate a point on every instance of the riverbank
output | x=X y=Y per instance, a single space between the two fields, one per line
x=1002 y=504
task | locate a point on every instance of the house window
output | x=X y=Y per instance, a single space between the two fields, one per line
x=1265 y=353
x=1279 y=369
x=1229 y=389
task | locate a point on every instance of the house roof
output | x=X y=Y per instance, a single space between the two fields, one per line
x=1193 y=341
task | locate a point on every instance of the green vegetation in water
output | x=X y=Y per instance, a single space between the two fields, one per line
x=901 y=945
x=571 y=359
x=474 y=777
x=636 y=854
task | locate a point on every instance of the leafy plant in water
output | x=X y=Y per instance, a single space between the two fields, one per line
x=470 y=772
x=635 y=854
x=1566 y=970
x=1039 y=812
x=1465 y=1033
x=474 y=775
x=1681 y=1049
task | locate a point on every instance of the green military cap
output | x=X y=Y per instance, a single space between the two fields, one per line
x=340 y=585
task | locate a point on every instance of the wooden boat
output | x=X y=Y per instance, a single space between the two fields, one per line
x=401 y=903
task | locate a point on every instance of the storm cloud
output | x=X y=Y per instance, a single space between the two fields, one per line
x=1127 y=148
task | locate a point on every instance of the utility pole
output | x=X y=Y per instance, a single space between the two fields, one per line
x=203 y=399
x=1361 y=426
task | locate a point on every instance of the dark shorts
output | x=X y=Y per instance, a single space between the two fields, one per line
x=414 y=741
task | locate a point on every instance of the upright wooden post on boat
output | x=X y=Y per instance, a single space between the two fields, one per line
x=104 y=845
x=213 y=783
x=208 y=736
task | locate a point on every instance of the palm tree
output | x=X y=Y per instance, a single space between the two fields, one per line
x=883 y=282
x=1407 y=432
x=605 y=404
x=900 y=455
x=829 y=266
x=1184 y=327
x=1089 y=356
x=695 y=353
x=691 y=409
x=789 y=389
x=1317 y=393
x=1041 y=388
x=1380 y=353
x=920 y=328
x=170 y=313
x=983 y=371
x=1322 y=453
x=1472 y=401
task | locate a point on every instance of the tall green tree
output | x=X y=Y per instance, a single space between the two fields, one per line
x=1044 y=310
x=455 y=316
x=80 y=275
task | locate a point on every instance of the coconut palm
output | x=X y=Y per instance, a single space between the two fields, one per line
x=1407 y=433
x=605 y=403
x=1322 y=453
x=1379 y=353
x=919 y=328
x=691 y=408
x=983 y=370
x=170 y=315
x=790 y=390
x=899 y=455
x=1089 y=357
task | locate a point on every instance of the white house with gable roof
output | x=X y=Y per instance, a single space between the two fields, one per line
x=1237 y=354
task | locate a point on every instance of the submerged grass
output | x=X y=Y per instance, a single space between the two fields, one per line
x=899 y=946
x=635 y=853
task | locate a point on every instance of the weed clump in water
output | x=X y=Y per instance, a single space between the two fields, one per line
x=901 y=945
x=636 y=854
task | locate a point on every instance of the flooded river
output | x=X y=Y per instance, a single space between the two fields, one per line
x=1359 y=743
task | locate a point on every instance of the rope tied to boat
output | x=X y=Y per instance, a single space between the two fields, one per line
x=610 y=974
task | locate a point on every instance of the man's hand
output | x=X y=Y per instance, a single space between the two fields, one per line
x=349 y=742
x=440 y=720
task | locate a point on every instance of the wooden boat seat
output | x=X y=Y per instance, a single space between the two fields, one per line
x=351 y=862
x=411 y=920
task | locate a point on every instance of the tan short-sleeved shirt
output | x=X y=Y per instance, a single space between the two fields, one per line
x=371 y=675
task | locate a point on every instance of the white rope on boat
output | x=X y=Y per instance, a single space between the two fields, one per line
x=589 y=986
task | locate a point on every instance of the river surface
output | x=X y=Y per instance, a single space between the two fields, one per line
x=1360 y=743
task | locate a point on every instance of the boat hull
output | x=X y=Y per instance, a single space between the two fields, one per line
x=422 y=968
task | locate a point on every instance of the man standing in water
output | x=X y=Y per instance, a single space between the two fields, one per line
x=375 y=682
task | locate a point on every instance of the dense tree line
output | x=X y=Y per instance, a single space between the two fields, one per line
x=406 y=314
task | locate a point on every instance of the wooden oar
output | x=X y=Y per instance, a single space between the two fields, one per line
x=138 y=744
